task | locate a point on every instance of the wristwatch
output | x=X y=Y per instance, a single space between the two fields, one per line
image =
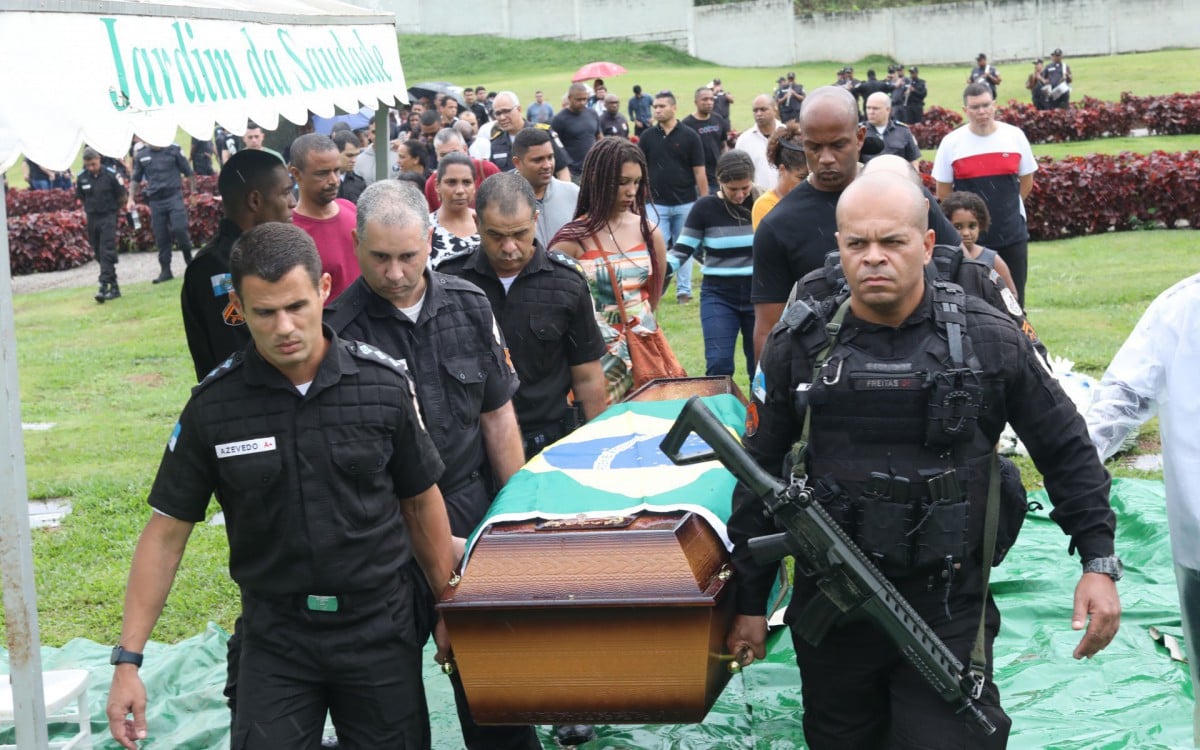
x=1110 y=566
x=122 y=656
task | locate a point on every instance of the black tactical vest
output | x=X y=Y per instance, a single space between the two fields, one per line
x=894 y=451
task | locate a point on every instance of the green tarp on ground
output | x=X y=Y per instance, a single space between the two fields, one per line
x=1131 y=696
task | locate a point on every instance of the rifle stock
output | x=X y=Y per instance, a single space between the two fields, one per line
x=846 y=578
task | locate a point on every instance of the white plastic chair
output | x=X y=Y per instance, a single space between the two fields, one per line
x=66 y=694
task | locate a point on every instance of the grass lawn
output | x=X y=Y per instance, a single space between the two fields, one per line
x=114 y=378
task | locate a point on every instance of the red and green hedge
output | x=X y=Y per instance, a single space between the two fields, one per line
x=1085 y=120
x=47 y=230
x=1082 y=195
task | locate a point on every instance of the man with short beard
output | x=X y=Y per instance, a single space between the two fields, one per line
x=533 y=156
x=328 y=219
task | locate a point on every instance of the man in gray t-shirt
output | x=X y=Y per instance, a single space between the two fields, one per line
x=577 y=126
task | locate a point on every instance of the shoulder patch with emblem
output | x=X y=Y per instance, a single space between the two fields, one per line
x=373 y=354
x=561 y=258
x=220 y=371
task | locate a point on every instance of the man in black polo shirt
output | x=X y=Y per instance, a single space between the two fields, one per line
x=675 y=160
x=544 y=308
x=578 y=126
x=326 y=475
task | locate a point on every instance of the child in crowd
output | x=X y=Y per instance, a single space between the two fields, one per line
x=969 y=215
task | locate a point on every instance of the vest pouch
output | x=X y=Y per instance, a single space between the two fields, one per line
x=952 y=414
x=834 y=500
x=882 y=527
x=1014 y=504
x=942 y=533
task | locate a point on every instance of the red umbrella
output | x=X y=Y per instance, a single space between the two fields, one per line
x=597 y=70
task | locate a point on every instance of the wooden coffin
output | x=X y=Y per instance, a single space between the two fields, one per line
x=615 y=620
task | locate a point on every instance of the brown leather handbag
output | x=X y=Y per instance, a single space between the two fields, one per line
x=649 y=351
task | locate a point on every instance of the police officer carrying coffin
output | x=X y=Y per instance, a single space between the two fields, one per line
x=544 y=308
x=444 y=329
x=255 y=188
x=103 y=194
x=316 y=453
x=899 y=402
x=160 y=168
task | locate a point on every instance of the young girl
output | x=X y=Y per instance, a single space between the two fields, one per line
x=969 y=215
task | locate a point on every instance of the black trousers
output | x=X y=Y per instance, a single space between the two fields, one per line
x=861 y=694
x=169 y=222
x=1016 y=256
x=466 y=507
x=102 y=236
x=361 y=663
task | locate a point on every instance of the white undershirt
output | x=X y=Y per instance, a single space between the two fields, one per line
x=303 y=387
x=413 y=312
x=507 y=281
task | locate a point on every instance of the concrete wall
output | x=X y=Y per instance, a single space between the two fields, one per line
x=721 y=32
x=1004 y=29
x=764 y=33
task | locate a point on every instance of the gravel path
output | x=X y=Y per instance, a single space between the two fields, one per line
x=131 y=268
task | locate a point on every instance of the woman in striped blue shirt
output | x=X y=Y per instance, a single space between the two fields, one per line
x=719 y=230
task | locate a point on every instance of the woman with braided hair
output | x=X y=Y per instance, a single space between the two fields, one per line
x=786 y=152
x=719 y=227
x=611 y=237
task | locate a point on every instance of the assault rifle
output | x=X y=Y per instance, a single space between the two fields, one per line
x=847 y=580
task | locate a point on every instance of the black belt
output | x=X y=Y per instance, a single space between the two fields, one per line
x=348 y=600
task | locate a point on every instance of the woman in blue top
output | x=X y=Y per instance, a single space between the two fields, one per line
x=719 y=229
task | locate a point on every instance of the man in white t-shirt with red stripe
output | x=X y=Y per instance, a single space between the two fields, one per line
x=992 y=159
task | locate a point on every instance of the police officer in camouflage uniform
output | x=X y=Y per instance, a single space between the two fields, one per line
x=544 y=308
x=318 y=457
x=900 y=401
x=160 y=168
x=103 y=194
x=443 y=327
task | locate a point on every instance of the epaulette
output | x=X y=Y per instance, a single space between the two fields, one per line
x=561 y=258
x=455 y=284
x=229 y=365
x=496 y=133
x=542 y=125
x=372 y=354
x=454 y=256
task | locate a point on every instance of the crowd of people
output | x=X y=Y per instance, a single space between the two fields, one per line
x=485 y=289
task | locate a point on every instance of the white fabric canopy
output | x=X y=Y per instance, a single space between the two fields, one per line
x=99 y=72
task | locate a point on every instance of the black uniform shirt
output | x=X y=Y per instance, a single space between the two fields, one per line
x=103 y=193
x=311 y=484
x=898 y=140
x=501 y=145
x=795 y=236
x=454 y=351
x=1025 y=394
x=214 y=328
x=161 y=169
x=549 y=323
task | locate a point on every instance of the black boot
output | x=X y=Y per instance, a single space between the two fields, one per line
x=102 y=293
x=114 y=291
x=164 y=275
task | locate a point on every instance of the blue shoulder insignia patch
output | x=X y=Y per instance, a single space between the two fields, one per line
x=229 y=365
x=561 y=258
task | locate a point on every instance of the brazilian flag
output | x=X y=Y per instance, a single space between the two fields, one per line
x=612 y=466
